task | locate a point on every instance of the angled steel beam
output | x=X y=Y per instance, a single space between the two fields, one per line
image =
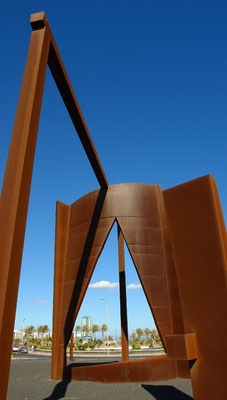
x=65 y=88
x=18 y=173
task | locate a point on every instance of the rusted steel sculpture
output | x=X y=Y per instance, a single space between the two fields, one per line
x=176 y=237
x=177 y=240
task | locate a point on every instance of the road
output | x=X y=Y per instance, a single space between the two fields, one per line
x=30 y=380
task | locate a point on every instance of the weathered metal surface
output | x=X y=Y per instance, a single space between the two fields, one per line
x=143 y=370
x=18 y=173
x=16 y=190
x=176 y=239
x=199 y=241
x=139 y=213
x=182 y=347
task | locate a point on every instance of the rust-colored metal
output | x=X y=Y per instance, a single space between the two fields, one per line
x=62 y=81
x=15 y=192
x=138 y=210
x=18 y=173
x=123 y=298
x=182 y=347
x=142 y=370
x=199 y=242
x=153 y=225
x=176 y=238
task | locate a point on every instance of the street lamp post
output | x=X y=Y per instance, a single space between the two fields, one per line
x=107 y=325
x=23 y=331
x=23 y=321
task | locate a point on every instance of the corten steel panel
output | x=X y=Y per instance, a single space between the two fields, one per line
x=143 y=370
x=182 y=347
x=61 y=235
x=147 y=231
x=16 y=190
x=198 y=237
x=141 y=219
x=77 y=273
x=175 y=305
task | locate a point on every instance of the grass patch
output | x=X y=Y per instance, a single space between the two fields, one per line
x=39 y=375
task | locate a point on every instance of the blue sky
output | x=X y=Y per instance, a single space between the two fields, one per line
x=150 y=78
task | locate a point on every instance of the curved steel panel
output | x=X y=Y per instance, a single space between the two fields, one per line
x=138 y=210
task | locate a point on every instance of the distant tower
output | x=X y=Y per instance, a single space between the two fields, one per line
x=87 y=321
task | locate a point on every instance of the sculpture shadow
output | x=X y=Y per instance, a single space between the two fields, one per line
x=89 y=364
x=160 y=392
x=61 y=387
x=59 y=390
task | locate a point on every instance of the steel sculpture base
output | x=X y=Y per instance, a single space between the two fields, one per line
x=143 y=370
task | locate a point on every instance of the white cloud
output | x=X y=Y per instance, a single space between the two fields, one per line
x=38 y=301
x=133 y=286
x=113 y=285
x=104 y=285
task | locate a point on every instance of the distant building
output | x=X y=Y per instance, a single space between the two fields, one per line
x=39 y=335
x=88 y=322
x=18 y=334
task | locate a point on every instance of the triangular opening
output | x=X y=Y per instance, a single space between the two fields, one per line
x=142 y=330
x=149 y=265
x=102 y=293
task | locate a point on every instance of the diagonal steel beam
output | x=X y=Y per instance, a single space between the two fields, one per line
x=65 y=88
x=18 y=173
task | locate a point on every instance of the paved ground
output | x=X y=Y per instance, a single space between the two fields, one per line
x=30 y=380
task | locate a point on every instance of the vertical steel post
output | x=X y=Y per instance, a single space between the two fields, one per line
x=123 y=299
x=16 y=189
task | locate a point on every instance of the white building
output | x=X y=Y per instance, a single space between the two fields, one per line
x=87 y=321
x=18 y=334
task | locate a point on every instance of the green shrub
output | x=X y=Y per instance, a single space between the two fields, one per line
x=136 y=346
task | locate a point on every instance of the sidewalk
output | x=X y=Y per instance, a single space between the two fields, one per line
x=101 y=354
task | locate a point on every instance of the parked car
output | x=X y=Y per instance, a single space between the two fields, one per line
x=23 y=350
x=15 y=349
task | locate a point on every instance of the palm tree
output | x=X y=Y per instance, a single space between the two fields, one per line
x=29 y=331
x=48 y=341
x=139 y=332
x=154 y=335
x=103 y=329
x=133 y=335
x=95 y=328
x=147 y=333
x=85 y=329
x=77 y=329
x=43 y=329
